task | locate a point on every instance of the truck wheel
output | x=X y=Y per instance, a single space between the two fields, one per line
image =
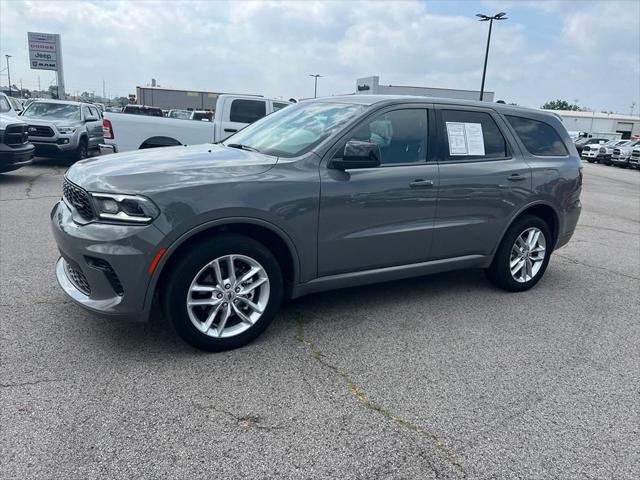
x=523 y=255
x=82 y=151
x=223 y=292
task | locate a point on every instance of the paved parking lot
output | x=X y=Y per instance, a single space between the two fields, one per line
x=436 y=377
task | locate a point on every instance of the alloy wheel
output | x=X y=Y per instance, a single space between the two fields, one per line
x=527 y=255
x=228 y=296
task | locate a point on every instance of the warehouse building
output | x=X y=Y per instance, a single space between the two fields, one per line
x=371 y=86
x=591 y=122
x=169 y=98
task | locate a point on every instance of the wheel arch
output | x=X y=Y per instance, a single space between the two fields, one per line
x=159 y=141
x=277 y=241
x=542 y=210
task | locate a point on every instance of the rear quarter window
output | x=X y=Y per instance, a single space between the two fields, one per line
x=539 y=138
x=494 y=143
x=247 y=111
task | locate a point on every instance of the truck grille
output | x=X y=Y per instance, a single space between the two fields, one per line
x=635 y=153
x=616 y=151
x=76 y=277
x=16 y=135
x=40 y=131
x=78 y=198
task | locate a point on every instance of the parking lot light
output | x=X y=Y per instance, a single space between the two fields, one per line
x=315 y=86
x=486 y=18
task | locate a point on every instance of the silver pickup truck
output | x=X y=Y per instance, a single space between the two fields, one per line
x=64 y=127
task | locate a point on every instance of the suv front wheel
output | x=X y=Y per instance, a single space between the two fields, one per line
x=523 y=255
x=223 y=292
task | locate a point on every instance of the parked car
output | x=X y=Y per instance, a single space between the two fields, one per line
x=634 y=159
x=15 y=149
x=180 y=114
x=9 y=105
x=324 y=194
x=123 y=133
x=202 y=115
x=113 y=109
x=583 y=142
x=622 y=153
x=143 y=110
x=64 y=127
x=600 y=152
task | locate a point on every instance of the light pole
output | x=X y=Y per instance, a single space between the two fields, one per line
x=315 y=85
x=9 y=74
x=486 y=18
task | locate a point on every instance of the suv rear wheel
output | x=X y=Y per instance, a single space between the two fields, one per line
x=523 y=255
x=223 y=292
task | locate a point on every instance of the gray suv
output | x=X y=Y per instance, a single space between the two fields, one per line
x=324 y=194
x=64 y=127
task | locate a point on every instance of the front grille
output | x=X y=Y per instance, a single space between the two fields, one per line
x=76 y=277
x=78 y=199
x=586 y=149
x=15 y=135
x=40 y=131
x=616 y=151
x=635 y=153
x=109 y=273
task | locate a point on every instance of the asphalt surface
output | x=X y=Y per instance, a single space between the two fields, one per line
x=435 y=377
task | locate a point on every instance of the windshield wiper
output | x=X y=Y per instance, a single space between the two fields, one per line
x=242 y=147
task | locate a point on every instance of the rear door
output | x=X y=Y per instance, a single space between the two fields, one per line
x=383 y=216
x=238 y=113
x=483 y=181
x=94 y=127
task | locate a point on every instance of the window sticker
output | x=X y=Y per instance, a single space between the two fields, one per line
x=465 y=138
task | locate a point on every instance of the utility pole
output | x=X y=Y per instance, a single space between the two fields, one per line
x=21 y=94
x=315 y=84
x=486 y=18
x=103 y=90
x=9 y=74
x=39 y=89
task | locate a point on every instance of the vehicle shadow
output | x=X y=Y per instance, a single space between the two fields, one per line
x=338 y=307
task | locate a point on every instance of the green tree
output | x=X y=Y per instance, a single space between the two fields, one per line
x=120 y=101
x=561 y=105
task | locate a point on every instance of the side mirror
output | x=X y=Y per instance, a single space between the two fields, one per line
x=357 y=154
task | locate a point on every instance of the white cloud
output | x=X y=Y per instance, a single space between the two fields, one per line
x=271 y=47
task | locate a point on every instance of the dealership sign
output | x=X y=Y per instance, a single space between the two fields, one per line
x=44 y=51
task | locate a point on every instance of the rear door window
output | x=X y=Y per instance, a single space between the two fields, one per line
x=247 y=111
x=472 y=135
x=539 y=138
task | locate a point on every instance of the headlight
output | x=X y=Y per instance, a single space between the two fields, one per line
x=66 y=130
x=124 y=208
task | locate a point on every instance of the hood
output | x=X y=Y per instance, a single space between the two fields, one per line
x=50 y=121
x=166 y=168
x=9 y=120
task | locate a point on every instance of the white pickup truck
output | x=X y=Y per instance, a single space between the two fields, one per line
x=124 y=132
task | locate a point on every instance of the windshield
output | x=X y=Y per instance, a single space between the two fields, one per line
x=52 y=110
x=183 y=114
x=296 y=129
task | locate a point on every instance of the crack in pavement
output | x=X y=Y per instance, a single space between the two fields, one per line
x=35 y=382
x=244 y=421
x=31 y=183
x=362 y=398
x=577 y=262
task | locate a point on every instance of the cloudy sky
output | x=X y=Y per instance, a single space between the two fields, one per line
x=584 y=50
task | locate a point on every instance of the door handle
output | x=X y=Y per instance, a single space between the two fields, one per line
x=231 y=130
x=420 y=183
x=516 y=177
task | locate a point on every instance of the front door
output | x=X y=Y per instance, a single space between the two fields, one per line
x=378 y=217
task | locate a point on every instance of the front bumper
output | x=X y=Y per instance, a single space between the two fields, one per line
x=104 y=267
x=12 y=158
x=54 y=146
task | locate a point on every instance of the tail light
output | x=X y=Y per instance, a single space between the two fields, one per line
x=107 y=129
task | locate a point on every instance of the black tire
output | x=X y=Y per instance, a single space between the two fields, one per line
x=82 y=151
x=499 y=272
x=185 y=268
x=590 y=161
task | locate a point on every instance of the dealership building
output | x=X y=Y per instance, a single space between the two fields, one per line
x=372 y=86
x=595 y=122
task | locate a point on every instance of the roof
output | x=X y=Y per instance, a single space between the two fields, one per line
x=582 y=114
x=391 y=99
